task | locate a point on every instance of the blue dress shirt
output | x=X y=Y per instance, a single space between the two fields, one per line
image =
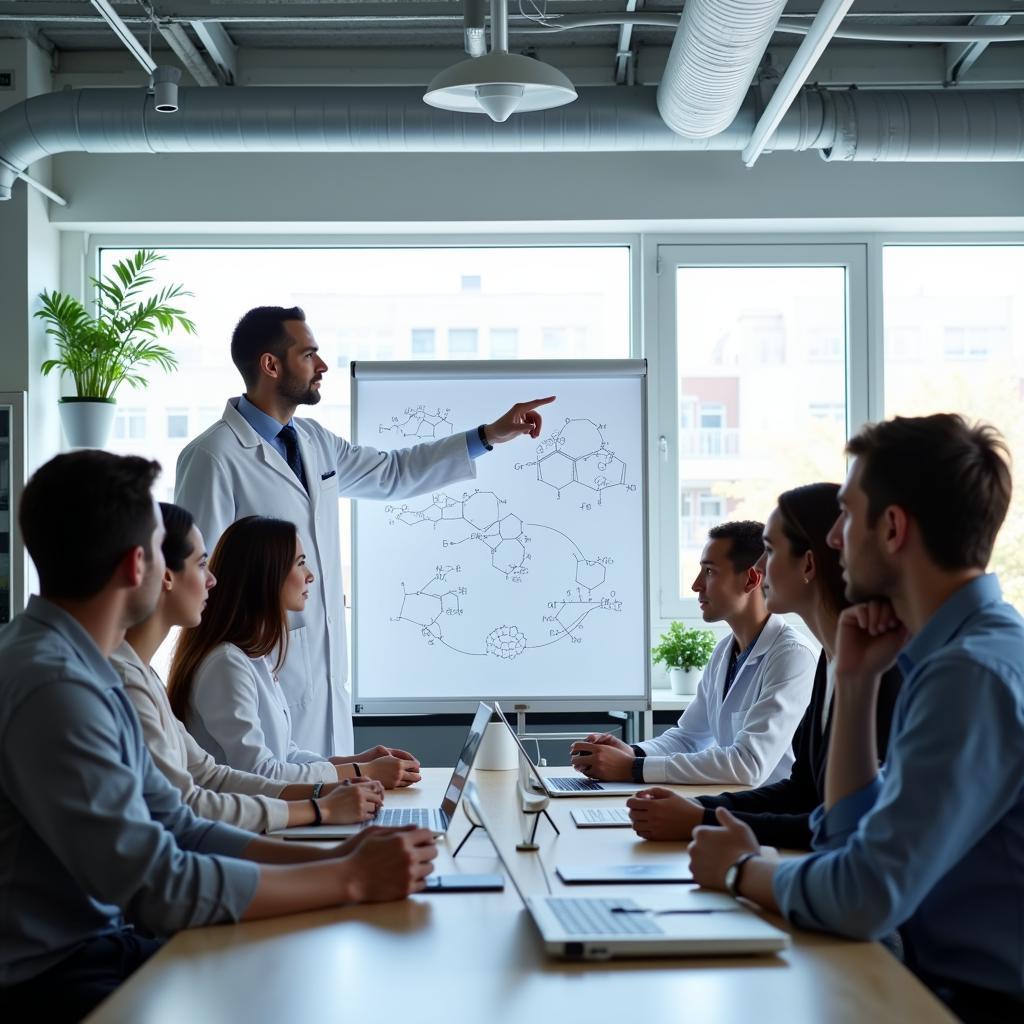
x=268 y=428
x=935 y=845
x=92 y=836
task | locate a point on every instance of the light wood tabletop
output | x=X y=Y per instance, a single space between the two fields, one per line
x=469 y=958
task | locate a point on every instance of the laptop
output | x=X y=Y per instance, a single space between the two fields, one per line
x=567 y=785
x=437 y=819
x=690 y=923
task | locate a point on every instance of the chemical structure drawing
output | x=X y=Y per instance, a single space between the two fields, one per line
x=503 y=535
x=432 y=603
x=439 y=603
x=579 y=454
x=420 y=422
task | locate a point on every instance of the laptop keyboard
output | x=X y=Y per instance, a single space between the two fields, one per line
x=580 y=916
x=421 y=817
x=567 y=784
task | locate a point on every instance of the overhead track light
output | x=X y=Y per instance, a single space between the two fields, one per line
x=499 y=83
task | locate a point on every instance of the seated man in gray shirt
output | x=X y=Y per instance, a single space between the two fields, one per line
x=94 y=842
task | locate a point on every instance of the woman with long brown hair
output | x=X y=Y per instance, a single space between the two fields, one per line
x=223 y=681
x=213 y=790
x=802 y=575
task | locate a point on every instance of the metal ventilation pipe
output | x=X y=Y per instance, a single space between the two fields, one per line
x=714 y=57
x=474 y=17
x=856 y=125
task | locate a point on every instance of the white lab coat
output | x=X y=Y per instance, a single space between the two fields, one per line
x=237 y=713
x=229 y=472
x=747 y=738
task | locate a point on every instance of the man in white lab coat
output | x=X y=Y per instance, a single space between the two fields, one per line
x=739 y=727
x=258 y=460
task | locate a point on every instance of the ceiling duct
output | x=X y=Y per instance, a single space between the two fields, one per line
x=949 y=125
x=715 y=54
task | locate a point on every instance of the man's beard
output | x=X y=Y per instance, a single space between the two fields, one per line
x=294 y=391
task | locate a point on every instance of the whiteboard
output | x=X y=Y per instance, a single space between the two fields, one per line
x=528 y=584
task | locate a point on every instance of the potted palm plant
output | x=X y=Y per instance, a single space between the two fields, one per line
x=684 y=652
x=102 y=352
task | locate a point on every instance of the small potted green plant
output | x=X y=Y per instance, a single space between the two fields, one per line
x=102 y=352
x=684 y=652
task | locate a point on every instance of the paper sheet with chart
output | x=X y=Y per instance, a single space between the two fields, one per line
x=528 y=583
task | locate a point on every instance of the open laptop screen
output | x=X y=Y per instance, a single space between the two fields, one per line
x=464 y=764
x=522 y=749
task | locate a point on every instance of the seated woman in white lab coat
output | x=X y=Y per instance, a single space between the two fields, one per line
x=224 y=674
x=213 y=790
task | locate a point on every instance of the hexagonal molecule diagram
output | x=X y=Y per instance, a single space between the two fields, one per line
x=434 y=601
x=506 y=642
x=420 y=422
x=578 y=453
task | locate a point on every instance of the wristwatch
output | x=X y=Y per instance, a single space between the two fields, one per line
x=734 y=872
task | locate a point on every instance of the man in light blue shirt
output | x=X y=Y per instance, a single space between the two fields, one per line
x=94 y=841
x=934 y=846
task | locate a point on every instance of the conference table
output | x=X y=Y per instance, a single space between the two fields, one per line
x=469 y=958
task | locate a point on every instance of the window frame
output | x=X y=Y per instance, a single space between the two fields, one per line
x=669 y=599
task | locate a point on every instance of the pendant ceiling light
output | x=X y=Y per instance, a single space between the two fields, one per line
x=500 y=83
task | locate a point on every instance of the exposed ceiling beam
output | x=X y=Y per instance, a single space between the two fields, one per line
x=188 y=11
x=623 y=51
x=124 y=33
x=961 y=57
x=220 y=47
x=187 y=52
x=818 y=36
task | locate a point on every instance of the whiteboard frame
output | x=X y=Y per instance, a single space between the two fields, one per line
x=552 y=369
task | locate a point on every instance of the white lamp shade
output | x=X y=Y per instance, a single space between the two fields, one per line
x=499 y=84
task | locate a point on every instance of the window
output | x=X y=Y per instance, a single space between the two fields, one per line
x=366 y=303
x=968 y=304
x=504 y=342
x=177 y=423
x=422 y=341
x=462 y=341
x=555 y=341
x=753 y=387
x=973 y=342
x=130 y=425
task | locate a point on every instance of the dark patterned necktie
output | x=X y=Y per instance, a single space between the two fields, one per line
x=291 y=446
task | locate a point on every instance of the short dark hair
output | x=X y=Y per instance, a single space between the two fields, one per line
x=261 y=330
x=81 y=513
x=807 y=515
x=951 y=477
x=176 y=547
x=747 y=538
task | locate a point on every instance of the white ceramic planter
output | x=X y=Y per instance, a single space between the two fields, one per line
x=87 y=421
x=684 y=680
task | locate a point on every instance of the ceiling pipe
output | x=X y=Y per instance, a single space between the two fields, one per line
x=974 y=33
x=946 y=125
x=474 y=34
x=714 y=57
x=800 y=67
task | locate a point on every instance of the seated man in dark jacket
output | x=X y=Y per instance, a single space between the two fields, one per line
x=803 y=576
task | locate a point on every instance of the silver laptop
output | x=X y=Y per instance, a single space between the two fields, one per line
x=437 y=819
x=687 y=923
x=567 y=785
